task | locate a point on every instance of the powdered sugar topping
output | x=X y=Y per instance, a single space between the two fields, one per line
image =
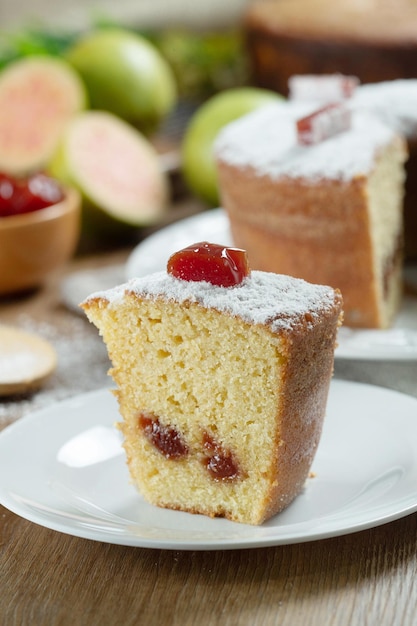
x=394 y=102
x=263 y=298
x=266 y=140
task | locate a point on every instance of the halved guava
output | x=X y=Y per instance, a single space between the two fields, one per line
x=38 y=95
x=116 y=169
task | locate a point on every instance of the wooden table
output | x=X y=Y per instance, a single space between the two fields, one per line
x=48 y=578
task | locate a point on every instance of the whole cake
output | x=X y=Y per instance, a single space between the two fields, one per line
x=374 y=40
x=222 y=384
x=327 y=209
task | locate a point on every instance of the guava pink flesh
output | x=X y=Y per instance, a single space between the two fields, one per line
x=116 y=169
x=33 y=112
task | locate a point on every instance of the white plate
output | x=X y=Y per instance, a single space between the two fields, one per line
x=397 y=343
x=70 y=475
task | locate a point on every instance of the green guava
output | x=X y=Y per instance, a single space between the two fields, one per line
x=126 y=75
x=198 y=164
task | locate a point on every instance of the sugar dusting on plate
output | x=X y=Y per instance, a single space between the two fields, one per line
x=79 y=350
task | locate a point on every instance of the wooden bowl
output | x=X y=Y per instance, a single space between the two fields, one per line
x=35 y=245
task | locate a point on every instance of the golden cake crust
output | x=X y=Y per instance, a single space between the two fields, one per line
x=279 y=235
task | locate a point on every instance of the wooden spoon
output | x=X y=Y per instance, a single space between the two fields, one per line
x=26 y=361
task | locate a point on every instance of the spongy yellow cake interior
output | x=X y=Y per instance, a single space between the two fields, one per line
x=229 y=387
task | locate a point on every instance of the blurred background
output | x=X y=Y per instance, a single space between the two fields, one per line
x=147 y=13
x=211 y=47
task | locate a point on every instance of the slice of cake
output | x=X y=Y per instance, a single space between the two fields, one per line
x=222 y=389
x=329 y=212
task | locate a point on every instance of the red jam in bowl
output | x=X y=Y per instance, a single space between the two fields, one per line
x=25 y=195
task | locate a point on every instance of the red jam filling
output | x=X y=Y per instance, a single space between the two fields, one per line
x=324 y=123
x=25 y=195
x=166 y=439
x=219 y=462
x=219 y=265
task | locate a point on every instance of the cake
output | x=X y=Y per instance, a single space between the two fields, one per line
x=395 y=103
x=375 y=40
x=329 y=213
x=222 y=390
